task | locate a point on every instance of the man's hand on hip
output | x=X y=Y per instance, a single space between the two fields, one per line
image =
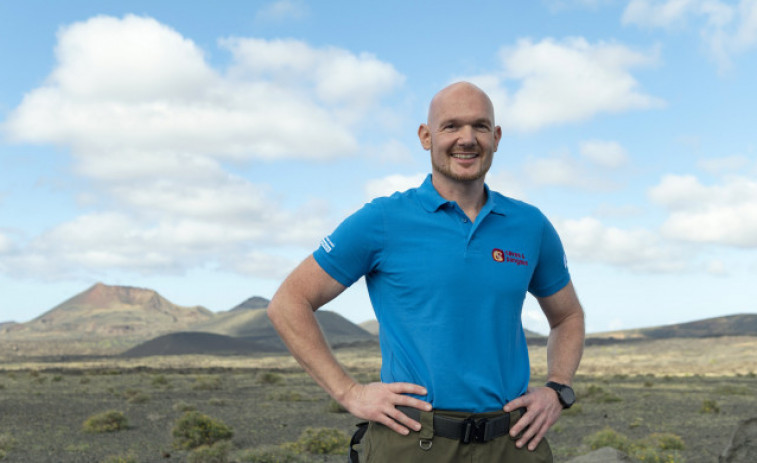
x=377 y=402
x=543 y=408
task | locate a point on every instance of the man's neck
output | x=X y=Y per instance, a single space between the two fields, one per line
x=470 y=196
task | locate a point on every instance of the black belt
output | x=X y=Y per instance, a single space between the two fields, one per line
x=466 y=430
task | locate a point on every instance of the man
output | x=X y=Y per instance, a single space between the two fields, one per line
x=447 y=267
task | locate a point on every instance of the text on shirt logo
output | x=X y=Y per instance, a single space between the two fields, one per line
x=512 y=257
x=327 y=245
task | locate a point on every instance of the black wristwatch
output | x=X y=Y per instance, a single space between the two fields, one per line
x=564 y=393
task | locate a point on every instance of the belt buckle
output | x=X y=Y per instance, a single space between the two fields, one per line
x=474 y=430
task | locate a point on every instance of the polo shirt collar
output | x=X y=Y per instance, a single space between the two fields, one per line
x=431 y=200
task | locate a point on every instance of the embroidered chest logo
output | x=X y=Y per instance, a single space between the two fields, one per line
x=511 y=257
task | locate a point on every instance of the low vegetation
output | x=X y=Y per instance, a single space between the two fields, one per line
x=323 y=441
x=655 y=448
x=7 y=442
x=110 y=421
x=46 y=404
x=195 y=429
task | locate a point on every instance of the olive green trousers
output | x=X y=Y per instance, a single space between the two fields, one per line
x=382 y=445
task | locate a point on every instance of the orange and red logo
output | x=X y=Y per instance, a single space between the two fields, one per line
x=512 y=257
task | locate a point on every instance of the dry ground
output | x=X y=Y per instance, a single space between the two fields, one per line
x=635 y=389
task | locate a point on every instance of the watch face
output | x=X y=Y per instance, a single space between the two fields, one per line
x=568 y=396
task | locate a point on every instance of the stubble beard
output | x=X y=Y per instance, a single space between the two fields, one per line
x=446 y=170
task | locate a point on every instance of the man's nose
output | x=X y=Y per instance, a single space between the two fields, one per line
x=467 y=136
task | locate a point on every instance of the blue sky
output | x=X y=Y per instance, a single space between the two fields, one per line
x=203 y=150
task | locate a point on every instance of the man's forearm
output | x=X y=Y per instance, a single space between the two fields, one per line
x=565 y=348
x=299 y=329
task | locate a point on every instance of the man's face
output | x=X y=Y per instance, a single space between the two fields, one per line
x=460 y=134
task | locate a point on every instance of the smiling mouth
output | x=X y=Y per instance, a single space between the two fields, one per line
x=464 y=155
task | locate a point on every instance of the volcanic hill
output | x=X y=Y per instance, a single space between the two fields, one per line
x=729 y=325
x=244 y=330
x=104 y=310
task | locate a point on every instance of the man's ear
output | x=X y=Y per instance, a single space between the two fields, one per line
x=424 y=135
x=497 y=137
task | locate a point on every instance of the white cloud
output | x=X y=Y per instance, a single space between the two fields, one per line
x=93 y=244
x=640 y=250
x=717 y=267
x=726 y=29
x=260 y=264
x=508 y=183
x=658 y=14
x=590 y=172
x=608 y=154
x=336 y=76
x=725 y=213
x=726 y=164
x=150 y=123
x=388 y=185
x=566 y=81
x=535 y=320
x=136 y=83
x=556 y=171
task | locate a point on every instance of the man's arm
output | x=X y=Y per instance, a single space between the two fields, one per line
x=564 y=351
x=291 y=311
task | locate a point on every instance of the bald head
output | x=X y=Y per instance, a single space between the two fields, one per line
x=456 y=94
x=461 y=136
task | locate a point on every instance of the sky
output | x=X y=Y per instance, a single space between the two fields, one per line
x=203 y=149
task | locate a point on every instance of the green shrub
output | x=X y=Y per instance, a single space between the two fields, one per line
x=638 y=421
x=110 y=421
x=7 y=442
x=598 y=394
x=666 y=441
x=608 y=437
x=135 y=396
x=270 y=377
x=207 y=383
x=709 y=406
x=160 y=381
x=651 y=455
x=121 y=459
x=655 y=448
x=269 y=454
x=216 y=453
x=322 y=441
x=195 y=429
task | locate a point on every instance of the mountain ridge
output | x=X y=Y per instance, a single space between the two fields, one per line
x=107 y=320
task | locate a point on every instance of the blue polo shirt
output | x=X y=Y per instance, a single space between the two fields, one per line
x=448 y=293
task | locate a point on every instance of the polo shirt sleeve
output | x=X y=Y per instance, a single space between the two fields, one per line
x=551 y=273
x=352 y=250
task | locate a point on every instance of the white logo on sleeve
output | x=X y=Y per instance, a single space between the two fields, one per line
x=327 y=245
